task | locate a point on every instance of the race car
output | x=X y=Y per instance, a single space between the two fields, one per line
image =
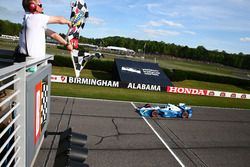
x=168 y=111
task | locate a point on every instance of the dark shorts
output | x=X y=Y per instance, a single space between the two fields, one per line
x=19 y=57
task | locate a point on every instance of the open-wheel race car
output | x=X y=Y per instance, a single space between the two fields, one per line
x=168 y=111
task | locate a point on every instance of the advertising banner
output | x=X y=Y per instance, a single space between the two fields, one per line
x=59 y=79
x=105 y=83
x=138 y=72
x=147 y=87
x=203 y=92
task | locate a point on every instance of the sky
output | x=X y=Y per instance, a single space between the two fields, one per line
x=216 y=25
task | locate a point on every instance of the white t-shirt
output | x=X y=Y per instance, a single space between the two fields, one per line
x=33 y=32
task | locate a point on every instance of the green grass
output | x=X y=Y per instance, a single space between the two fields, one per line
x=51 y=49
x=8 y=44
x=86 y=73
x=85 y=91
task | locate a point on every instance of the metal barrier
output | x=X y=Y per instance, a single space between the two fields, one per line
x=24 y=111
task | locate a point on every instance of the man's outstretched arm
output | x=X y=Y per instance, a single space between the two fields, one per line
x=58 y=20
x=58 y=38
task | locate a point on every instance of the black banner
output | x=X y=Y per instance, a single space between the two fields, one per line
x=140 y=72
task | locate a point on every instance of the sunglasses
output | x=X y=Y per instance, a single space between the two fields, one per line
x=40 y=5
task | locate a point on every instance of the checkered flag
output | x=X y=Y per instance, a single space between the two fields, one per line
x=79 y=14
x=80 y=59
x=44 y=106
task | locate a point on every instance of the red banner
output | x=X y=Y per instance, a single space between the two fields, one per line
x=60 y=79
x=37 y=122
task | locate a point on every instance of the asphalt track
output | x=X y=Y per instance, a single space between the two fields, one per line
x=119 y=137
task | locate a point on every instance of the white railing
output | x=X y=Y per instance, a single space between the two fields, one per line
x=13 y=130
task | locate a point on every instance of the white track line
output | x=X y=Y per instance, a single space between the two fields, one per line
x=165 y=144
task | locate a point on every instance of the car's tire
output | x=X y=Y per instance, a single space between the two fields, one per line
x=184 y=114
x=154 y=113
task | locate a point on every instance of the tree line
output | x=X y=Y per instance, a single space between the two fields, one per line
x=200 y=53
x=9 y=28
